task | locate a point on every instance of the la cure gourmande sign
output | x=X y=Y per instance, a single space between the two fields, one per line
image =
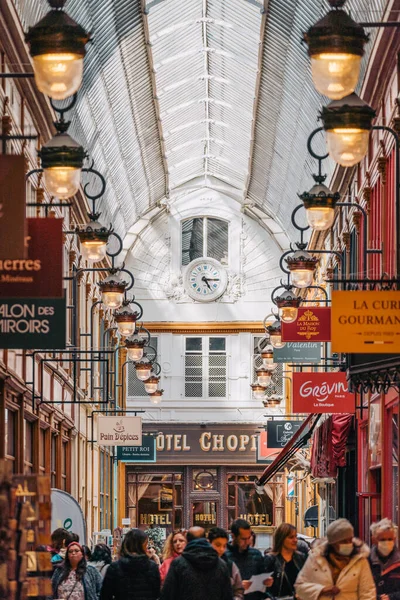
x=366 y=322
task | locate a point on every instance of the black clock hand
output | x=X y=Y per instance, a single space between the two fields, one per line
x=209 y=279
x=204 y=278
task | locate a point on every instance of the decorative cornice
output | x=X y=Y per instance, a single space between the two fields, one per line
x=206 y=328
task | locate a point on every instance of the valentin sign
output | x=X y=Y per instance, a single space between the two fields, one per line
x=312 y=325
x=32 y=323
x=40 y=274
x=321 y=393
x=366 y=322
x=119 y=431
x=12 y=206
x=298 y=352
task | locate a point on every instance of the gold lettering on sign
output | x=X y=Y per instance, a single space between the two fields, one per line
x=205 y=445
x=256 y=519
x=156 y=519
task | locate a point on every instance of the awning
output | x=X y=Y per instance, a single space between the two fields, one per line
x=298 y=441
x=329 y=445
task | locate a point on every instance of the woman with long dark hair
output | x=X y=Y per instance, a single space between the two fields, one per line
x=284 y=562
x=134 y=576
x=76 y=580
x=173 y=547
x=101 y=558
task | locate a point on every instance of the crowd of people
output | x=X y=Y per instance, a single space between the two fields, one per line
x=219 y=566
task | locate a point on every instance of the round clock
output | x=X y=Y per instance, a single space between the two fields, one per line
x=205 y=279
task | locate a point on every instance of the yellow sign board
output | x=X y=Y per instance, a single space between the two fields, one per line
x=366 y=322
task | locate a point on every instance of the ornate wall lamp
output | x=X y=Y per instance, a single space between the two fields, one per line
x=57 y=46
x=113 y=288
x=275 y=331
x=288 y=304
x=336 y=46
x=155 y=397
x=126 y=318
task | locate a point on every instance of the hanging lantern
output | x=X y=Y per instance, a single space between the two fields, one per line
x=57 y=46
x=275 y=334
x=258 y=391
x=336 y=47
x=155 y=398
x=125 y=319
x=151 y=384
x=112 y=290
x=272 y=402
x=263 y=376
x=347 y=124
x=267 y=355
x=302 y=267
x=62 y=160
x=143 y=370
x=135 y=349
x=93 y=238
x=288 y=304
x=320 y=204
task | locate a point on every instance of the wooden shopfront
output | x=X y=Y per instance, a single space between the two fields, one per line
x=202 y=475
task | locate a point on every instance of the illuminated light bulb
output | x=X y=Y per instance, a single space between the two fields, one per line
x=112 y=291
x=135 y=349
x=57 y=46
x=94 y=250
x=155 y=398
x=263 y=376
x=125 y=319
x=135 y=353
x=258 y=391
x=347 y=146
x=58 y=75
x=335 y=75
x=302 y=278
x=151 y=384
x=143 y=371
x=320 y=218
x=62 y=182
x=276 y=340
x=288 y=314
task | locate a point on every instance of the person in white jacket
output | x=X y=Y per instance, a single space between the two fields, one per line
x=337 y=569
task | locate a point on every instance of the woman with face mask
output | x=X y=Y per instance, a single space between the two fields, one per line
x=337 y=568
x=385 y=560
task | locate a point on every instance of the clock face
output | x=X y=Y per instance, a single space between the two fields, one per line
x=205 y=279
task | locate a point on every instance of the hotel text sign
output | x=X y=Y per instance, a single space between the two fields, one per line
x=312 y=325
x=119 y=431
x=322 y=393
x=366 y=322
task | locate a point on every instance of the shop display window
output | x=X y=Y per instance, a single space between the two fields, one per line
x=155 y=499
x=246 y=503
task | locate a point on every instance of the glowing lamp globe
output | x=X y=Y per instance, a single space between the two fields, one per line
x=62 y=160
x=258 y=391
x=347 y=124
x=302 y=267
x=263 y=376
x=134 y=349
x=57 y=46
x=151 y=384
x=125 y=319
x=320 y=204
x=93 y=238
x=336 y=47
x=288 y=304
x=112 y=291
x=143 y=370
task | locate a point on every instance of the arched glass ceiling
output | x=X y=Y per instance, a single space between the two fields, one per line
x=197 y=91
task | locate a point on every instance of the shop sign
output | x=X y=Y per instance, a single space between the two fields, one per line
x=366 y=322
x=256 y=519
x=265 y=453
x=40 y=274
x=34 y=323
x=298 y=352
x=155 y=519
x=313 y=324
x=322 y=393
x=119 y=431
x=138 y=454
x=12 y=207
x=279 y=433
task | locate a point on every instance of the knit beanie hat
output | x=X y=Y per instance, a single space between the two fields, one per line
x=339 y=530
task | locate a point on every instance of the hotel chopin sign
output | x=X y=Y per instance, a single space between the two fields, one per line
x=366 y=322
x=119 y=431
x=322 y=393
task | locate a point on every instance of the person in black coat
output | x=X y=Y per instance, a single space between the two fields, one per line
x=384 y=560
x=134 y=576
x=198 y=574
x=284 y=562
x=248 y=560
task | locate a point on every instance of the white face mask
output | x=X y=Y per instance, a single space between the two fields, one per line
x=345 y=549
x=386 y=547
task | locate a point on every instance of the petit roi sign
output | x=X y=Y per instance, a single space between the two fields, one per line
x=32 y=323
